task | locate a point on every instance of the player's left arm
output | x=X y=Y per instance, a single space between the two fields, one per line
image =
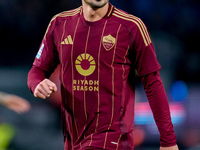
x=158 y=101
x=148 y=67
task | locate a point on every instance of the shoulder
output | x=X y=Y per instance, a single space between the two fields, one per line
x=127 y=19
x=135 y=25
x=60 y=18
x=65 y=15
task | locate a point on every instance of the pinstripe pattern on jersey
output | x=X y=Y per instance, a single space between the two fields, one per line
x=85 y=76
x=118 y=141
x=85 y=109
x=63 y=14
x=143 y=30
x=72 y=63
x=62 y=72
x=69 y=127
x=98 y=105
x=123 y=75
x=113 y=87
x=62 y=38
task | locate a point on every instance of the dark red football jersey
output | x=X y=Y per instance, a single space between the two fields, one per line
x=96 y=58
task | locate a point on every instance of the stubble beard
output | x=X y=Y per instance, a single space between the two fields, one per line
x=97 y=4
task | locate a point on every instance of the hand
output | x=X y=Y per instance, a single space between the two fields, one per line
x=44 y=89
x=169 y=148
x=16 y=103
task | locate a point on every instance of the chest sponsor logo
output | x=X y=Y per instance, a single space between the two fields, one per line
x=67 y=41
x=85 y=64
x=86 y=85
x=108 y=42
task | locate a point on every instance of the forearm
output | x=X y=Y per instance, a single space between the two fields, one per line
x=159 y=104
x=35 y=76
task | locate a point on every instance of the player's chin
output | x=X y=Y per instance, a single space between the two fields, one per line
x=98 y=4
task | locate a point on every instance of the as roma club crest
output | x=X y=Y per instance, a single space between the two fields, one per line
x=108 y=42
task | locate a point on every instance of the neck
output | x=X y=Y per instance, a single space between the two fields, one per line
x=92 y=14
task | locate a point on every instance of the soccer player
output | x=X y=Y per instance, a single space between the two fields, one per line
x=14 y=102
x=97 y=46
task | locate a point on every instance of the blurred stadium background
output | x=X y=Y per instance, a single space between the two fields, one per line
x=174 y=27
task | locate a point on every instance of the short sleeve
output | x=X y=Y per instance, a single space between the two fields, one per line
x=145 y=56
x=47 y=56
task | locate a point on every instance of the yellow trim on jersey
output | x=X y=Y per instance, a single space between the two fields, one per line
x=72 y=65
x=62 y=72
x=113 y=88
x=98 y=107
x=111 y=9
x=118 y=141
x=138 y=22
x=86 y=55
x=124 y=70
x=63 y=14
x=67 y=12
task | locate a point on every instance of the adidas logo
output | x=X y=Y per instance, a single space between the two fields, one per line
x=68 y=40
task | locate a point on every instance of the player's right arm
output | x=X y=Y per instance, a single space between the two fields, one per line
x=39 y=84
x=44 y=64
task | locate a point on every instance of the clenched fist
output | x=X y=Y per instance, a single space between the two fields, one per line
x=44 y=89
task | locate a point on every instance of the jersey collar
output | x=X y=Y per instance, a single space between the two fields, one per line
x=109 y=13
